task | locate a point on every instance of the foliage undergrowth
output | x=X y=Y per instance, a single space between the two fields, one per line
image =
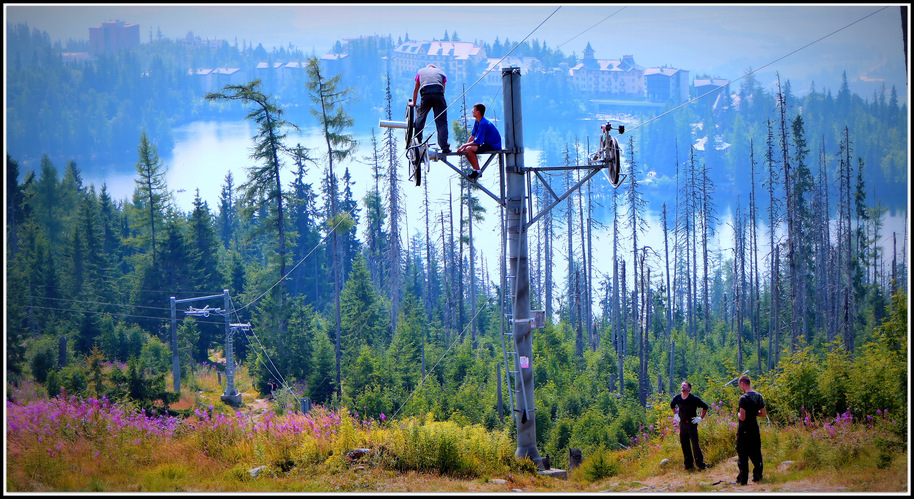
x=76 y=444
x=828 y=446
x=83 y=443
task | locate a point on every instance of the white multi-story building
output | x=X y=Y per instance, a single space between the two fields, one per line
x=494 y=67
x=619 y=78
x=458 y=60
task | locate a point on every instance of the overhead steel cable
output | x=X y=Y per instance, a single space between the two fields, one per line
x=590 y=28
x=443 y=355
x=757 y=70
x=274 y=373
x=404 y=152
x=489 y=70
x=116 y=314
x=97 y=302
x=316 y=246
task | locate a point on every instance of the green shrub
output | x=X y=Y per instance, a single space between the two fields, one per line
x=450 y=449
x=601 y=464
x=626 y=425
x=559 y=438
x=43 y=361
x=53 y=384
x=74 y=379
x=590 y=430
x=796 y=386
x=717 y=440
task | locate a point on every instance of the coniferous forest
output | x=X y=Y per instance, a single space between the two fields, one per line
x=349 y=310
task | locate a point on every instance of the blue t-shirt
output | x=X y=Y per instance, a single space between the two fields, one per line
x=484 y=132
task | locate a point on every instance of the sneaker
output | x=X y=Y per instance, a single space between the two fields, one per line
x=702 y=467
x=446 y=149
x=474 y=175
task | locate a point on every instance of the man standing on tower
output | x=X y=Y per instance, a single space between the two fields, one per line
x=430 y=83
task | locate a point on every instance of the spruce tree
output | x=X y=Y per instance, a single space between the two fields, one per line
x=151 y=197
x=329 y=100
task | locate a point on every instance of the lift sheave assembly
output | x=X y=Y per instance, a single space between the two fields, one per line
x=609 y=154
x=513 y=195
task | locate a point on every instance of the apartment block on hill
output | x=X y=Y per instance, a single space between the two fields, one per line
x=619 y=78
x=459 y=60
x=113 y=36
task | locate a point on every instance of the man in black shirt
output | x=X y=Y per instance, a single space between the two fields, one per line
x=748 y=439
x=688 y=405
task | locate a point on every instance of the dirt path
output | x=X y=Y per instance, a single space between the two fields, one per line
x=720 y=478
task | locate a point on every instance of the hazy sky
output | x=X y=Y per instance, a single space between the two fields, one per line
x=721 y=40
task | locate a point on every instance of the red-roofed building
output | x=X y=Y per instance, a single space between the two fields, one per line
x=113 y=36
x=458 y=60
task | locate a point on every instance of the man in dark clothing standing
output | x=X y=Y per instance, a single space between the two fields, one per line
x=688 y=420
x=748 y=439
x=430 y=83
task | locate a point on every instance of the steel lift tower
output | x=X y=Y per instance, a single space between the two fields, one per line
x=515 y=198
x=231 y=395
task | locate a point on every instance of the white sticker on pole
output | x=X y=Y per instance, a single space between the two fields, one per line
x=524 y=362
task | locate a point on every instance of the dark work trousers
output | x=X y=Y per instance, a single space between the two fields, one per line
x=688 y=438
x=436 y=103
x=749 y=447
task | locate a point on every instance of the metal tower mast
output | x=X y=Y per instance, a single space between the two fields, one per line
x=231 y=395
x=516 y=200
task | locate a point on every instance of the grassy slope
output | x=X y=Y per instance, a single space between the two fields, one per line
x=49 y=450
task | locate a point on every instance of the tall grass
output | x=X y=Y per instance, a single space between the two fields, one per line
x=69 y=444
x=75 y=444
x=828 y=448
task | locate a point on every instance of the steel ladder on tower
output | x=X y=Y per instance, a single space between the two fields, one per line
x=509 y=282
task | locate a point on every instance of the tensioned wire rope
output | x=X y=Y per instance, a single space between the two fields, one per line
x=427 y=124
x=274 y=372
x=633 y=128
x=485 y=73
x=459 y=97
x=443 y=355
x=113 y=314
x=495 y=94
x=518 y=44
x=590 y=28
x=356 y=207
x=758 y=69
x=515 y=295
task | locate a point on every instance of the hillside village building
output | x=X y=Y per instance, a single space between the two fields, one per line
x=594 y=78
x=620 y=78
x=597 y=80
x=113 y=36
x=495 y=65
x=707 y=85
x=461 y=61
x=666 y=84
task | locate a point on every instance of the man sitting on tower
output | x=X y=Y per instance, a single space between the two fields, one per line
x=484 y=138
